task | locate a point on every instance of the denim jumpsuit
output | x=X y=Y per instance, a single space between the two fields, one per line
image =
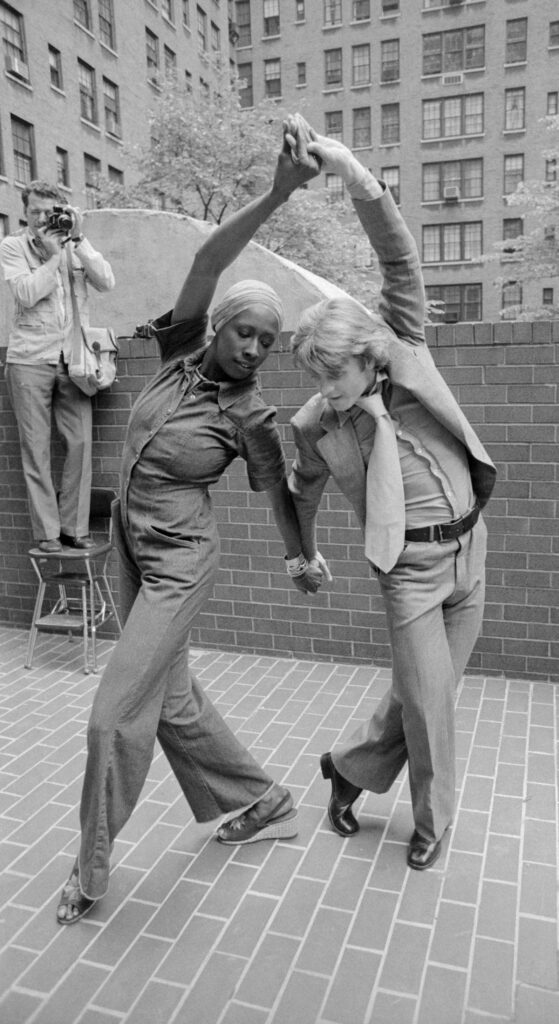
x=183 y=433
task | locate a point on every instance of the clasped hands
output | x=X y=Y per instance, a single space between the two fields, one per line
x=308 y=576
x=320 y=152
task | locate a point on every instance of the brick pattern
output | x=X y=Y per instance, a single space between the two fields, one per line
x=505 y=376
x=316 y=930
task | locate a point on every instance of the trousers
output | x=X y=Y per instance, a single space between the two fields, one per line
x=148 y=690
x=434 y=599
x=39 y=393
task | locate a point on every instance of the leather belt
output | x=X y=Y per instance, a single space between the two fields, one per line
x=445 y=531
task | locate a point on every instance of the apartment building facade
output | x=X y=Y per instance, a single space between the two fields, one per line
x=446 y=99
x=77 y=79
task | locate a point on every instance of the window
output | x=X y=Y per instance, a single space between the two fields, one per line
x=511 y=297
x=112 y=107
x=455 y=116
x=299 y=10
x=107 y=24
x=512 y=229
x=361 y=10
x=334 y=125
x=169 y=62
x=215 y=38
x=88 y=92
x=452 y=243
x=513 y=173
x=188 y=80
x=515 y=109
x=332 y=12
x=462 y=302
x=12 y=37
x=391 y=175
x=547 y=297
x=272 y=77
x=186 y=13
x=301 y=73
x=554 y=33
x=390 y=6
x=271 y=18
x=361 y=128
x=92 y=171
x=243 y=23
x=459 y=50
x=390 y=60
x=62 y=168
x=552 y=103
x=334 y=187
x=389 y=123
x=82 y=14
x=464 y=176
x=361 y=64
x=24 y=150
x=116 y=177
x=551 y=170
x=167 y=10
x=516 y=41
x=5 y=225
x=55 y=67
x=152 y=55
x=245 y=84
x=332 y=67
x=202 y=23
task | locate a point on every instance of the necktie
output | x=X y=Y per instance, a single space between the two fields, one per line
x=386 y=518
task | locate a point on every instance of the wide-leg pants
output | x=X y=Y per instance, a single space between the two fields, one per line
x=148 y=690
x=40 y=392
x=434 y=599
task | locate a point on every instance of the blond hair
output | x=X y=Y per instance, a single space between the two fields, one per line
x=332 y=331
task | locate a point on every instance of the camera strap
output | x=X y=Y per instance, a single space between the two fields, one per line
x=77 y=340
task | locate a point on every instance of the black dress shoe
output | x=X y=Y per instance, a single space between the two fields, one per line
x=344 y=794
x=77 y=542
x=422 y=853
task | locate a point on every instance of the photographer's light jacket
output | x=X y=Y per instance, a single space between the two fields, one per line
x=42 y=324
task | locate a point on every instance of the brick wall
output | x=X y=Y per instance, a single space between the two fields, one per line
x=505 y=377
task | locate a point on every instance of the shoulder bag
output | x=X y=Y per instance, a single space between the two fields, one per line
x=92 y=364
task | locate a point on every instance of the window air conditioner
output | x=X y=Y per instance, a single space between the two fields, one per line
x=453 y=78
x=16 y=66
x=451 y=193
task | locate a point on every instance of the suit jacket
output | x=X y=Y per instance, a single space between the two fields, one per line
x=325 y=446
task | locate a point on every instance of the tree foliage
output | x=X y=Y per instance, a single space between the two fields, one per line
x=533 y=257
x=208 y=156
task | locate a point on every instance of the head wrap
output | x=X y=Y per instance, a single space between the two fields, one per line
x=243 y=295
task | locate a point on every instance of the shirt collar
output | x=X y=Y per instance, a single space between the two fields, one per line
x=228 y=390
x=346 y=414
x=36 y=245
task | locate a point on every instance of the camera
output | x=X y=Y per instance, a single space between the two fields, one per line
x=61 y=219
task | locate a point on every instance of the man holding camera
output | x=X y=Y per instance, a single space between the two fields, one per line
x=37 y=262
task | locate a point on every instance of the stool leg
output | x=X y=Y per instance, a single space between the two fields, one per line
x=93 y=624
x=33 y=631
x=112 y=602
x=85 y=629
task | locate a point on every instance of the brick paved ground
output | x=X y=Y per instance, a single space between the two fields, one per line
x=317 y=930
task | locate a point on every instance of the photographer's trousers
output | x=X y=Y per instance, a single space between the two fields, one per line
x=41 y=393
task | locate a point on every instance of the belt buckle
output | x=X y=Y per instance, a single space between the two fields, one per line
x=436 y=532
